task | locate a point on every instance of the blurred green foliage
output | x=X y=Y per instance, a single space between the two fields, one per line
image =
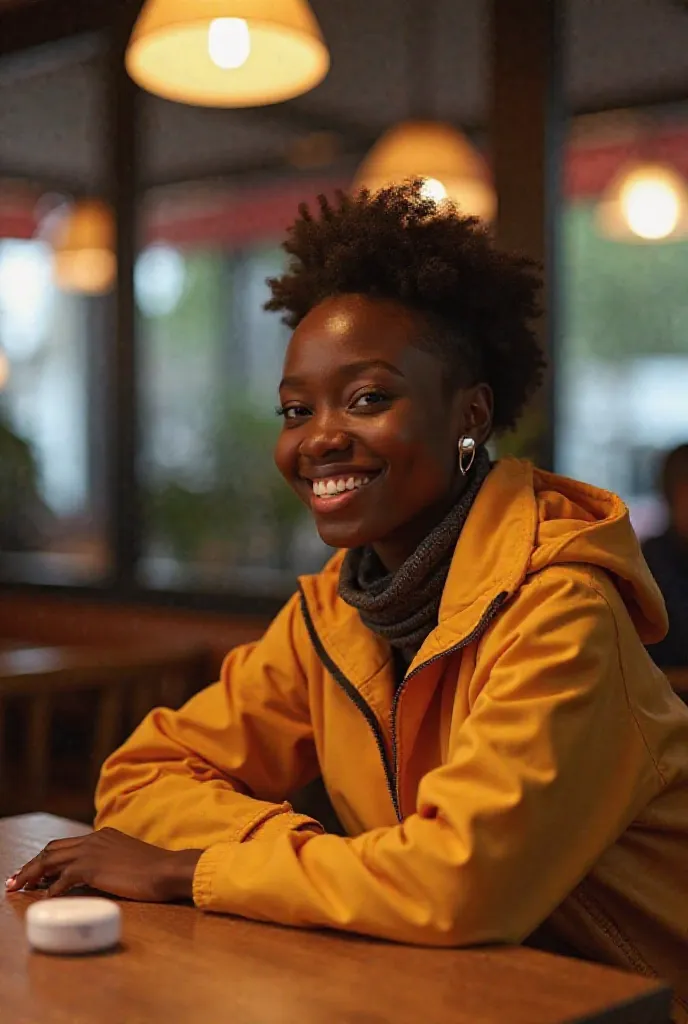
x=19 y=491
x=619 y=301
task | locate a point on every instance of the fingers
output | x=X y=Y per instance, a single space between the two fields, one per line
x=48 y=864
x=29 y=875
x=67 y=880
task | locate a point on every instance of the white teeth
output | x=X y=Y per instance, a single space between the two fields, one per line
x=330 y=488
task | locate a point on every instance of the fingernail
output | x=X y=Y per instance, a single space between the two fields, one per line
x=10 y=881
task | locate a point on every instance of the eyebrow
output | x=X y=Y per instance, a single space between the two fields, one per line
x=348 y=371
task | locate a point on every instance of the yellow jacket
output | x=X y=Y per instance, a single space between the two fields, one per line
x=532 y=768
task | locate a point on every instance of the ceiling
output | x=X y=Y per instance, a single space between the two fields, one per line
x=616 y=52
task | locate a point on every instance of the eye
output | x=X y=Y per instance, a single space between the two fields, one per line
x=292 y=412
x=370 y=399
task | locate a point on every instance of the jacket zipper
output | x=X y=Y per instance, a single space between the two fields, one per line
x=485 y=620
x=353 y=694
x=391 y=770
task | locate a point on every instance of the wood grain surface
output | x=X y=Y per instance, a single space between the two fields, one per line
x=179 y=966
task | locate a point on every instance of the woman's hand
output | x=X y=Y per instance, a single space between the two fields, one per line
x=112 y=862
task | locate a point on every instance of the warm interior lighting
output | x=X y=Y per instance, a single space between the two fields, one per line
x=439 y=153
x=83 y=241
x=651 y=207
x=645 y=202
x=229 y=42
x=4 y=369
x=227 y=53
x=434 y=189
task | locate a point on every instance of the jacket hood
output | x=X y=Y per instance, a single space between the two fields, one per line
x=581 y=523
x=524 y=520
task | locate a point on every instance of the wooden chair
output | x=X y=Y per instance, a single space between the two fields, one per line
x=37 y=684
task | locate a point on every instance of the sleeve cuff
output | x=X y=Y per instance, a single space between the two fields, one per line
x=205 y=872
x=216 y=857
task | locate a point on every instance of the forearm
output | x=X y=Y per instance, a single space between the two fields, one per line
x=186 y=779
x=333 y=882
x=177 y=812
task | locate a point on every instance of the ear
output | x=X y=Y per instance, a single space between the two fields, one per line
x=474 y=408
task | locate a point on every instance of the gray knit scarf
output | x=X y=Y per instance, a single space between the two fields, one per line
x=403 y=607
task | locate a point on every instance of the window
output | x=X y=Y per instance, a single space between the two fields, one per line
x=52 y=524
x=623 y=368
x=217 y=515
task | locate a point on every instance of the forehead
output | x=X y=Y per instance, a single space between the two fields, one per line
x=351 y=328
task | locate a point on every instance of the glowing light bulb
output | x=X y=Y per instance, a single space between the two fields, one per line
x=229 y=43
x=434 y=189
x=651 y=207
x=4 y=369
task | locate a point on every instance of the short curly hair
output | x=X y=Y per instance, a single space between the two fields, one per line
x=398 y=244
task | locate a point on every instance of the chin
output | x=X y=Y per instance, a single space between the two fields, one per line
x=346 y=535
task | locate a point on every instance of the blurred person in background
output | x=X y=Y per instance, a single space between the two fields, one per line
x=667 y=556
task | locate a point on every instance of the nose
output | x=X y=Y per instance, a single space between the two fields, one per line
x=323 y=438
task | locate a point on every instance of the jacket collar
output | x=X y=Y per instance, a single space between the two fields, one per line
x=491 y=559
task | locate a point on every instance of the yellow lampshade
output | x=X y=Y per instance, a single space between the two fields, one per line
x=645 y=202
x=227 y=53
x=452 y=167
x=83 y=241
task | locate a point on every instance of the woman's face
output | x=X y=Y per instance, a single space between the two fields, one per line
x=371 y=429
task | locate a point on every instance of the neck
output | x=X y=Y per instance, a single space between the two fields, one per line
x=402 y=604
x=398 y=547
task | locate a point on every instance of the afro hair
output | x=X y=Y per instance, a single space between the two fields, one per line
x=399 y=244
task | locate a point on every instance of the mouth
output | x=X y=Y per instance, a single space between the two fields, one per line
x=334 y=493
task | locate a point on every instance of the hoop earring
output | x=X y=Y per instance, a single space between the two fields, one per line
x=467 y=448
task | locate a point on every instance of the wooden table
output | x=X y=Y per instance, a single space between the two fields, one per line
x=179 y=966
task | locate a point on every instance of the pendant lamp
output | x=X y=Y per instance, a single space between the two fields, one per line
x=645 y=202
x=227 y=53
x=423 y=146
x=451 y=166
x=83 y=242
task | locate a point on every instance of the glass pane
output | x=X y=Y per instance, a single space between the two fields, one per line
x=217 y=513
x=51 y=338
x=623 y=368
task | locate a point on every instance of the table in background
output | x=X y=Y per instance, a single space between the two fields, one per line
x=180 y=966
x=127 y=682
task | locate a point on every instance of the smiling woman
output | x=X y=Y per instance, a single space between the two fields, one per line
x=379 y=413
x=468 y=675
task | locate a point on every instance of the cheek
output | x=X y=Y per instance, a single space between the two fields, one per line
x=426 y=456
x=285 y=455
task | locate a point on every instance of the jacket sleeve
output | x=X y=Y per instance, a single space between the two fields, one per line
x=219 y=769
x=545 y=773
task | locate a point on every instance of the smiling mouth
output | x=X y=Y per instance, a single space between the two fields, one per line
x=334 y=492
x=332 y=487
